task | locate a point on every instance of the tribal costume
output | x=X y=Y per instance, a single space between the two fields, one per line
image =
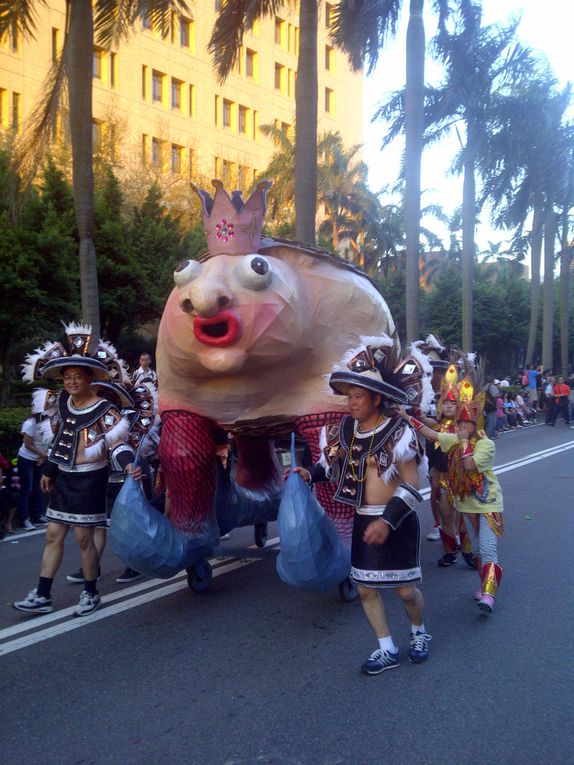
x=346 y=451
x=87 y=440
x=477 y=494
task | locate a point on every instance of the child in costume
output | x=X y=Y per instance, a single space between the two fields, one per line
x=471 y=480
x=373 y=459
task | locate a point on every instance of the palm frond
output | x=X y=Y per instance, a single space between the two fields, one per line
x=31 y=147
x=20 y=15
x=115 y=20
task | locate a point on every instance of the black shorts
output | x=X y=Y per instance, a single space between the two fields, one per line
x=79 y=499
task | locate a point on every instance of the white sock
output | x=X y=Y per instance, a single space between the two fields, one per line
x=418 y=628
x=386 y=644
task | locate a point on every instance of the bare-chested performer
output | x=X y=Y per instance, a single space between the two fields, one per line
x=373 y=457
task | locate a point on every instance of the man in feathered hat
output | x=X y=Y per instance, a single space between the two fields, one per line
x=471 y=481
x=373 y=459
x=90 y=434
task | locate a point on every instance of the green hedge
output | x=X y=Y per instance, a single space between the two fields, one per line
x=10 y=423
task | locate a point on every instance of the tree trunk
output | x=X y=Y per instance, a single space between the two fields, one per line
x=414 y=128
x=306 y=94
x=565 y=260
x=81 y=45
x=468 y=247
x=548 y=309
x=535 y=253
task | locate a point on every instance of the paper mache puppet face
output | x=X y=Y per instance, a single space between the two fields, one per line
x=252 y=329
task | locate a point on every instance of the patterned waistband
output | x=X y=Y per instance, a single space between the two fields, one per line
x=85 y=467
x=371 y=509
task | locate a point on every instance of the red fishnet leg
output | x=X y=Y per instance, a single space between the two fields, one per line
x=309 y=427
x=187 y=454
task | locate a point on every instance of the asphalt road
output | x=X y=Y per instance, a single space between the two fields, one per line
x=254 y=672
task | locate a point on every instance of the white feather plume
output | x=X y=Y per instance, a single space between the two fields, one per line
x=31 y=361
x=77 y=329
x=432 y=342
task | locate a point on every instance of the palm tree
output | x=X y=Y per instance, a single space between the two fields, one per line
x=361 y=28
x=232 y=20
x=109 y=22
x=481 y=64
x=523 y=166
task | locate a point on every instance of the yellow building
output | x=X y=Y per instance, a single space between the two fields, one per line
x=157 y=100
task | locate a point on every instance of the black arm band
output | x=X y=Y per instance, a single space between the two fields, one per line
x=317 y=473
x=49 y=469
x=402 y=503
x=121 y=456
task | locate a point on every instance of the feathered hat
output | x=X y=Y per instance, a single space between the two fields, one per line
x=376 y=365
x=49 y=360
x=471 y=397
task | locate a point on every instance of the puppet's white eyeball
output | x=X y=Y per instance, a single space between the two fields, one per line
x=186 y=272
x=254 y=272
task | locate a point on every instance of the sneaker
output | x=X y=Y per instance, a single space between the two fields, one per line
x=419 y=650
x=87 y=604
x=129 y=575
x=41 y=521
x=434 y=535
x=486 y=603
x=28 y=525
x=78 y=576
x=379 y=661
x=34 y=604
x=448 y=559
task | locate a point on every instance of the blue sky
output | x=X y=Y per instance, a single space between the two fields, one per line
x=546 y=25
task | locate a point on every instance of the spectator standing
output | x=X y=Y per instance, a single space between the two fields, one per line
x=490 y=407
x=560 y=400
x=532 y=387
x=144 y=373
x=31 y=456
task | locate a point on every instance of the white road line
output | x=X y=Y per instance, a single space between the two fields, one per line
x=132 y=602
x=74 y=624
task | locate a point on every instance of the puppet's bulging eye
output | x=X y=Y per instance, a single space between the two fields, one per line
x=254 y=272
x=186 y=272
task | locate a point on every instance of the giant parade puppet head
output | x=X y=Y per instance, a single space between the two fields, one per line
x=250 y=329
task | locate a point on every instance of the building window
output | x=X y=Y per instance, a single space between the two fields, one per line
x=157 y=86
x=144 y=81
x=184 y=32
x=227 y=172
x=255 y=123
x=176 y=89
x=279 y=77
x=328 y=15
x=217 y=117
x=250 y=63
x=156 y=153
x=191 y=162
x=329 y=58
x=176 y=159
x=15 y=37
x=290 y=83
x=217 y=167
x=144 y=148
x=192 y=100
x=113 y=66
x=15 y=111
x=97 y=64
x=97 y=136
x=55 y=44
x=242 y=120
x=279 y=28
x=3 y=115
x=226 y=118
x=329 y=101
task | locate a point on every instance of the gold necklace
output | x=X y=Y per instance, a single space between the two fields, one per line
x=351 y=460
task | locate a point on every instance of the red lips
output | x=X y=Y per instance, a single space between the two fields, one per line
x=218 y=331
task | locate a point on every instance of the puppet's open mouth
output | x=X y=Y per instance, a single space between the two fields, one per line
x=218 y=331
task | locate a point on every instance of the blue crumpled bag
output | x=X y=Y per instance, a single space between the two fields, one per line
x=146 y=541
x=312 y=556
